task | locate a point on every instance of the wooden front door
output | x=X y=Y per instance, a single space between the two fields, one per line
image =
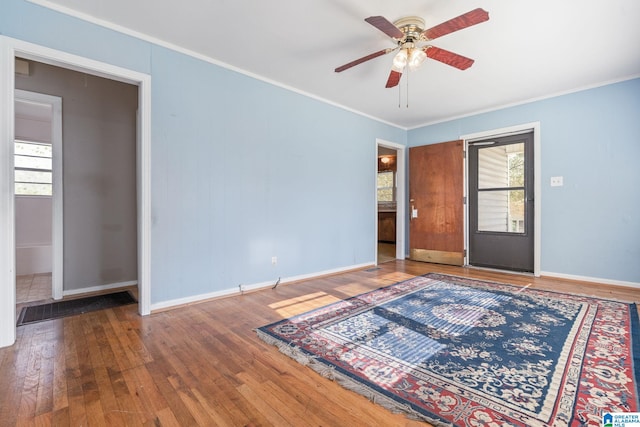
x=436 y=229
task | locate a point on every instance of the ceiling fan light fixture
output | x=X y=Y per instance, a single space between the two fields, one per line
x=412 y=42
x=416 y=58
x=400 y=60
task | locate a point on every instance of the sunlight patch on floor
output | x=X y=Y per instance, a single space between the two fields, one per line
x=293 y=306
x=394 y=277
x=353 y=289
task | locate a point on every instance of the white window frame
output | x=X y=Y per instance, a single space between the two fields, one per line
x=18 y=168
x=393 y=187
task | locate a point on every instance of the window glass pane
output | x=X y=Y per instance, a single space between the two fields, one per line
x=501 y=167
x=23 y=162
x=385 y=194
x=31 y=176
x=33 y=149
x=516 y=168
x=501 y=211
x=386 y=184
x=33 y=168
x=385 y=179
x=29 y=189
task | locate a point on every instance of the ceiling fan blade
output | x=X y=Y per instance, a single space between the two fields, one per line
x=458 y=61
x=381 y=23
x=465 y=20
x=394 y=78
x=363 y=59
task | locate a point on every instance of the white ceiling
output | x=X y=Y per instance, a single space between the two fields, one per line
x=529 y=49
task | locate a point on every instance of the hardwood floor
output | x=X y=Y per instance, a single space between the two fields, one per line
x=386 y=252
x=203 y=365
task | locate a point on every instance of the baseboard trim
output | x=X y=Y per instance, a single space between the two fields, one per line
x=99 y=288
x=241 y=289
x=591 y=279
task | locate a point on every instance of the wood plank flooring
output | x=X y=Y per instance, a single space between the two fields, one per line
x=386 y=252
x=203 y=365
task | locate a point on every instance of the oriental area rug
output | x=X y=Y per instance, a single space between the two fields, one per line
x=463 y=352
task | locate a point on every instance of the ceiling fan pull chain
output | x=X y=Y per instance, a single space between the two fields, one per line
x=408 y=89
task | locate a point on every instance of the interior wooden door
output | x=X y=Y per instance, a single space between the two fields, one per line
x=436 y=229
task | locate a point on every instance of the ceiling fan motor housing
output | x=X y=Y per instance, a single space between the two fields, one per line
x=412 y=28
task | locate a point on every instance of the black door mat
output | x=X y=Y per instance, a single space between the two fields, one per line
x=56 y=310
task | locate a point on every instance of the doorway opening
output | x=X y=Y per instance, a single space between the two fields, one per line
x=387 y=204
x=99 y=174
x=38 y=196
x=10 y=49
x=390 y=195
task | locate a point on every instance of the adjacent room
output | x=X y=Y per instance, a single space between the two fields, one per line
x=338 y=213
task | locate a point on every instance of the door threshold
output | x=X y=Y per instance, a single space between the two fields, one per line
x=498 y=270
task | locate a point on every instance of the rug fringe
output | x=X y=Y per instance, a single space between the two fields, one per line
x=577 y=294
x=347 y=382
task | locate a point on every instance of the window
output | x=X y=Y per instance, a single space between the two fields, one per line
x=33 y=175
x=386 y=187
x=501 y=188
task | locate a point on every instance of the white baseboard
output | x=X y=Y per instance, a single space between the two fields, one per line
x=591 y=279
x=164 y=305
x=100 y=288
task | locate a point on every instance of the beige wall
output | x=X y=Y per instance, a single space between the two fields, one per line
x=99 y=174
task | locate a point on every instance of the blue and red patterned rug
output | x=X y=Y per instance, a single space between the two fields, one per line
x=463 y=352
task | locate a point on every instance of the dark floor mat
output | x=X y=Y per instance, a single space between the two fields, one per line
x=55 y=310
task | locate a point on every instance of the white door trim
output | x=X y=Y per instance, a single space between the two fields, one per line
x=400 y=197
x=57 y=274
x=10 y=49
x=537 y=180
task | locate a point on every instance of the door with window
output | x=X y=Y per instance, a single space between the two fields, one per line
x=501 y=205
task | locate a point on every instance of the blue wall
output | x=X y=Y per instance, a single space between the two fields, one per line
x=244 y=170
x=241 y=170
x=590 y=226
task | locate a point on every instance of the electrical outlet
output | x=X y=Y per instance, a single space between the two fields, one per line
x=274 y=260
x=557 y=181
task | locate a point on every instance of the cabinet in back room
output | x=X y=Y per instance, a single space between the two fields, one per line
x=387 y=227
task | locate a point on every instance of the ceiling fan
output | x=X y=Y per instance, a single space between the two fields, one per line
x=412 y=42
